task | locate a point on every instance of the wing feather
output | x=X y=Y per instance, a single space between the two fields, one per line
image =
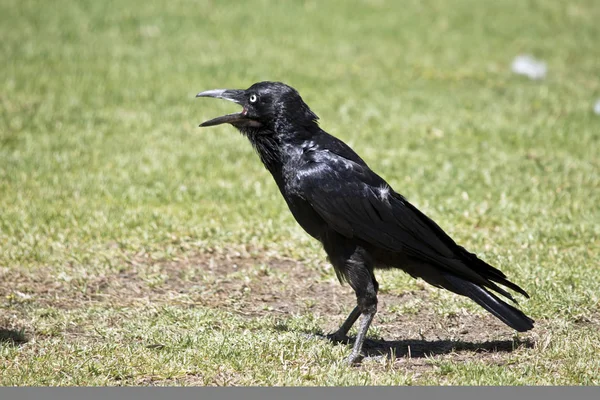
x=350 y=199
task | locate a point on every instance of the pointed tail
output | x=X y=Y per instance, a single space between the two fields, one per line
x=508 y=314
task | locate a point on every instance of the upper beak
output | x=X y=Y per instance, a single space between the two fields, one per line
x=235 y=95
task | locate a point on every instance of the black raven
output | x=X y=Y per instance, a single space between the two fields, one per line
x=360 y=220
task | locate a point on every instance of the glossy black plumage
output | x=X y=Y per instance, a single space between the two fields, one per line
x=361 y=221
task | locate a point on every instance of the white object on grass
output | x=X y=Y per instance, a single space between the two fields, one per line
x=529 y=66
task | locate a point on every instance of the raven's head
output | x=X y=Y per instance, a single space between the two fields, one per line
x=266 y=107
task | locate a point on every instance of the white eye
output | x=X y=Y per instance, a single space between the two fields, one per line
x=253 y=98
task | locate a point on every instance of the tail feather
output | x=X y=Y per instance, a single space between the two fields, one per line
x=491 y=273
x=508 y=314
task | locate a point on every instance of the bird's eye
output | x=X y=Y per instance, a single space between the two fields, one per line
x=253 y=98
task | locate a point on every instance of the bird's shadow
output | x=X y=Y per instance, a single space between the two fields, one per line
x=416 y=348
x=13 y=336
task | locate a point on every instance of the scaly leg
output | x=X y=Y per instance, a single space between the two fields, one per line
x=354 y=264
x=365 y=322
x=341 y=334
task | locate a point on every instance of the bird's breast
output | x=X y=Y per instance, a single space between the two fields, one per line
x=305 y=215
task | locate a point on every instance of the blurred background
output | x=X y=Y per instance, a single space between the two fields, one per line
x=101 y=157
x=99 y=122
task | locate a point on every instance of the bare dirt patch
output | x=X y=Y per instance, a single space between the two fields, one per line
x=253 y=286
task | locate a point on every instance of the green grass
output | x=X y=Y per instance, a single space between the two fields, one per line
x=104 y=173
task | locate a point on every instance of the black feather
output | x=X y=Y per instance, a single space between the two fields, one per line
x=508 y=314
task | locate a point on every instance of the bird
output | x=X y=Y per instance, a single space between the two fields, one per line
x=362 y=223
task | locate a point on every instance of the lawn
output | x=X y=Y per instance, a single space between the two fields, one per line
x=139 y=249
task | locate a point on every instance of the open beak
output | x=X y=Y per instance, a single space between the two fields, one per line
x=235 y=95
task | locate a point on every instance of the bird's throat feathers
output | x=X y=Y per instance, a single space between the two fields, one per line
x=269 y=141
x=268 y=148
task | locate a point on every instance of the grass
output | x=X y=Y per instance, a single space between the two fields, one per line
x=121 y=222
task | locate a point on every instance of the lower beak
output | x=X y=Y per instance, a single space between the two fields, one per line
x=235 y=95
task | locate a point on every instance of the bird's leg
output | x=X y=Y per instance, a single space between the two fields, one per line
x=340 y=334
x=355 y=265
x=365 y=322
x=362 y=280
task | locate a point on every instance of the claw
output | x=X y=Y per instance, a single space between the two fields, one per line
x=354 y=358
x=338 y=337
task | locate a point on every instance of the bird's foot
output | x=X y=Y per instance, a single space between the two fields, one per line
x=338 y=337
x=332 y=337
x=354 y=358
